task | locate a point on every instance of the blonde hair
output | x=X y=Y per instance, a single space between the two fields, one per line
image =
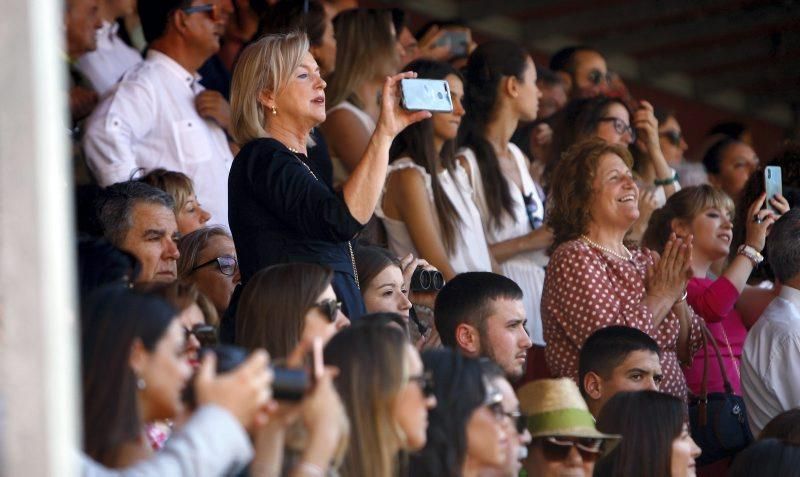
x=176 y=184
x=365 y=49
x=265 y=65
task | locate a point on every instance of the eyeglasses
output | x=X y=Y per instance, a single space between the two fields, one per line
x=558 y=448
x=520 y=420
x=227 y=265
x=205 y=334
x=672 y=136
x=596 y=77
x=213 y=10
x=620 y=127
x=425 y=382
x=329 y=308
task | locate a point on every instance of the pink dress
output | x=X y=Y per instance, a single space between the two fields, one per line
x=714 y=301
x=585 y=290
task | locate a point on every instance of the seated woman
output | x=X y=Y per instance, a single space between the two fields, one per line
x=133 y=367
x=655 y=436
x=188 y=212
x=279 y=211
x=427 y=205
x=594 y=280
x=386 y=393
x=500 y=92
x=367 y=51
x=284 y=305
x=706 y=213
x=467 y=430
x=208 y=260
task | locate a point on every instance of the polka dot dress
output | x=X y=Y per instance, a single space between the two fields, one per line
x=585 y=290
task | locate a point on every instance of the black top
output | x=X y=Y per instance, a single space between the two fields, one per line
x=279 y=213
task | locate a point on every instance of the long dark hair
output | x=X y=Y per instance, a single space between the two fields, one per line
x=112 y=318
x=416 y=142
x=578 y=121
x=372 y=260
x=486 y=68
x=460 y=390
x=648 y=421
x=768 y=457
x=272 y=308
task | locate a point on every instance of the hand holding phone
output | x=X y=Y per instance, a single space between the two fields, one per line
x=426 y=95
x=773 y=185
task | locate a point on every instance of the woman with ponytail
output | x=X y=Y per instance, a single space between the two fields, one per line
x=500 y=92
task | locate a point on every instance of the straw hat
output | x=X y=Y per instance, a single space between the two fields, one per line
x=555 y=408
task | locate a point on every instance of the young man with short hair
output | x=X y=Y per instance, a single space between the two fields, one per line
x=481 y=314
x=616 y=359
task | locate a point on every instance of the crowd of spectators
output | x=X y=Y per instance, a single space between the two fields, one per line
x=285 y=272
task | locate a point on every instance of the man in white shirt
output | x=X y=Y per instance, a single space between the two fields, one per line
x=771 y=354
x=113 y=57
x=159 y=115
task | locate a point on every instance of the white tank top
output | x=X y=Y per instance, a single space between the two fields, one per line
x=340 y=173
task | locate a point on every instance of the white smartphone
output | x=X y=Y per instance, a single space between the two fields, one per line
x=773 y=184
x=426 y=95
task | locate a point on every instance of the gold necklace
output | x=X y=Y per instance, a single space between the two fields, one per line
x=608 y=250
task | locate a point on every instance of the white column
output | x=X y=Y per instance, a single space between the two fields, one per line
x=39 y=412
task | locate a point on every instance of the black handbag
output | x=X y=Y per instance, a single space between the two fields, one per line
x=718 y=421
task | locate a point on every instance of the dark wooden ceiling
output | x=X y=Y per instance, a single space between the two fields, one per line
x=739 y=54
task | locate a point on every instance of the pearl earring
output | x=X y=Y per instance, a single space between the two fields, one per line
x=140 y=384
x=274 y=111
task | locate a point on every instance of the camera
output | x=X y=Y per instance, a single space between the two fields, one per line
x=288 y=384
x=426 y=280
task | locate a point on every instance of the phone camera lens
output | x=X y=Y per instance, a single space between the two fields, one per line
x=439 y=95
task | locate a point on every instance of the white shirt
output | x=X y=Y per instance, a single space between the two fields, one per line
x=105 y=66
x=771 y=361
x=150 y=121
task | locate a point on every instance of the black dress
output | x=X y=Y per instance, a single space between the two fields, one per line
x=280 y=213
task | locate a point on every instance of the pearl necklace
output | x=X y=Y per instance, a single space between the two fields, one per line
x=608 y=250
x=291 y=149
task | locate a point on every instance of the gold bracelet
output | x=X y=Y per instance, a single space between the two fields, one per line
x=683 y=298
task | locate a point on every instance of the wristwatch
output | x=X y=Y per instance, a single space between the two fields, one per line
x=751 y=253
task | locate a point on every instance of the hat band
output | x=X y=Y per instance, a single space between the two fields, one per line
x=560 y=419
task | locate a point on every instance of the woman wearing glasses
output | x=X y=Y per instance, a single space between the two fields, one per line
x=655 y=436
x=387 y=395
x=280 y=210
x=283 y=305
x=208 y=260
x=467 y=431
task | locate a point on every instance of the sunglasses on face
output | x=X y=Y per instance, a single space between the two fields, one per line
x=597 y=77
x=425 y=383
x=205 y=334
x=620 y=127
x=329 y=308
x=213 y=10
x=227 y=265
x=558 y=448
x=673 y=136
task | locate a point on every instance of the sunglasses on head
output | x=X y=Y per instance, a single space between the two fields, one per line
x=620 y=127
x=205 y=334
x=329 y=308
x=672 y=136
x=227 y=265
x=213 y=10
x=558 y=448
x=425 y=382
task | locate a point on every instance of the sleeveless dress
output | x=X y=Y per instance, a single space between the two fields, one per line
x=527 y=269
x=340 y=173
x=471 y=254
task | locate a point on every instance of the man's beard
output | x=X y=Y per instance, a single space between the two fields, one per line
x=488 y=352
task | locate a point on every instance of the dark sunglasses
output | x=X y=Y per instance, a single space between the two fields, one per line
x=329 y=308
x=227 y=265
x=672 y=136
x=205 y=334
x=596 y=77
x=558 y=448
x=425 y=382
x=213 y=10
x=520 y=420
x=531 y=207
x=620 y=127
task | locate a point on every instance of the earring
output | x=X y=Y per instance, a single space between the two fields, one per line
x=140 y=384
x=274 y=111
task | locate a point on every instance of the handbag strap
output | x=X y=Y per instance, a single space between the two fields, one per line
x=702 y=404
x=710 y=339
